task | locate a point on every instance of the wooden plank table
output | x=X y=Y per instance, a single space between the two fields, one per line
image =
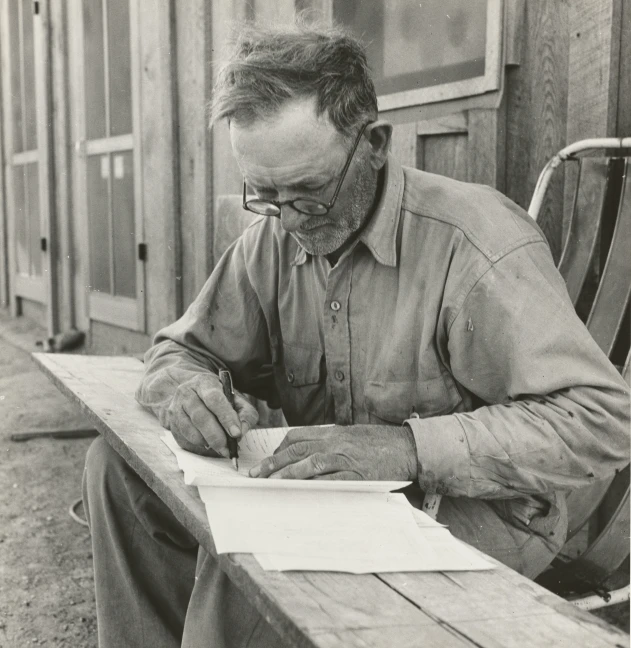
x=490 y=609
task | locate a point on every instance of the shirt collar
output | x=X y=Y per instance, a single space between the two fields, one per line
x=380 y=233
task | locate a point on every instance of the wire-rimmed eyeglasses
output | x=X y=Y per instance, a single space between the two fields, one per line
x=308 y=206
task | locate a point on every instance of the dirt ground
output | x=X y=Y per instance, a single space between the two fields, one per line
x=46 y=582
x=46 y=578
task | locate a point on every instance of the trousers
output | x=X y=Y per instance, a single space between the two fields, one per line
x=156 y=588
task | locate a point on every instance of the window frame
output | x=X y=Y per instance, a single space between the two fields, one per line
x=478 y=85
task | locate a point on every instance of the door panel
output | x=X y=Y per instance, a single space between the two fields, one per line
x=98 y=226
x=94 y=78
x=124 y=234
x=20 y=216
x=118 y=28
x=24 y=155
x=106 y=191
x=34 y=217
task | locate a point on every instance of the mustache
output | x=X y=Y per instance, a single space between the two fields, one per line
x=306 y=227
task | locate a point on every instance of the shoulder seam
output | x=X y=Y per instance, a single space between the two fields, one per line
x=470 y=236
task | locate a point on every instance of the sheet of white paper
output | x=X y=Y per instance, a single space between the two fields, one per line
x=448 y=553
x=255 y=446
x=310 y=523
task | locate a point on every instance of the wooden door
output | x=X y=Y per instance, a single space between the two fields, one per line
x=26 y=111
x=107 y=212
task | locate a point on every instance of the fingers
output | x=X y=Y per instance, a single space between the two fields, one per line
x=313 y=466
x=215 y=401
x=279 y=460
x=301 y=460
x=344 y=475
x=196 y=422
x=189 y=438
x=200 y=416
x=207 y=425
x=298 y=435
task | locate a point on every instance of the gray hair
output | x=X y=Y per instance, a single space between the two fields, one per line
x=269 y=67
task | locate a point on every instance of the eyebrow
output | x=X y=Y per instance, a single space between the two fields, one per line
x=304 y=184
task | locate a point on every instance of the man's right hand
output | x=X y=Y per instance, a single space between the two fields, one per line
x=200 y=416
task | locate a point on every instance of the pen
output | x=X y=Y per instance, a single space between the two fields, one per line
x=228 y=392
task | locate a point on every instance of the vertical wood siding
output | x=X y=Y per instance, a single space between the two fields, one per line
x=160 y=186
x=536 y=109
x=194 y=82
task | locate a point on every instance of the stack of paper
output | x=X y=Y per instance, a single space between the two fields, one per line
x=357 y=527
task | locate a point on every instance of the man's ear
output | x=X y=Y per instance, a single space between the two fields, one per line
x=379 y=134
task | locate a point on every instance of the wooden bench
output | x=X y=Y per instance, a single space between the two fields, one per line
x=497 y=609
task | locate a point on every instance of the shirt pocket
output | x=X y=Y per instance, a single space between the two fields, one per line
x=395 y=401
x=300 y=376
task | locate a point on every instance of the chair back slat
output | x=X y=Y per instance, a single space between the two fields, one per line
x=612 y=298
x=582 y=236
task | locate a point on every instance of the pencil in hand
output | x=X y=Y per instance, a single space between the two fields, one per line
x=228 y=391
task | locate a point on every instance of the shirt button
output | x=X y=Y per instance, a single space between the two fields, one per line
x=335 y=305
x=290 y=377
x=339 y=375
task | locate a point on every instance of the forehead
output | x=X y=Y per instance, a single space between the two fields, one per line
x=293 y=145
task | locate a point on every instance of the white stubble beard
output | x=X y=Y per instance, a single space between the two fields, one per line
x=329 y=239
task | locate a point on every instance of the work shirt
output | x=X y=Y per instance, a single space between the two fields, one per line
x=447 y=312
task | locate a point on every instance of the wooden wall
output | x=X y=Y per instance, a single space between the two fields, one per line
x=4 y=231
x=193 y=30
x=62 y=162
x=536 y=105
x=565 y=77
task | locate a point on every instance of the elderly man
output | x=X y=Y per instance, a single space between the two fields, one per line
x=422 y=316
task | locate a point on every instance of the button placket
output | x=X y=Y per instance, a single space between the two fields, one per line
x=337 y=339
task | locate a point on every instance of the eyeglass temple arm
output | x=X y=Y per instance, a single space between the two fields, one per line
x=349 y=159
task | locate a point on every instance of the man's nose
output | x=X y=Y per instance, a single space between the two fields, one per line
x=292 y=220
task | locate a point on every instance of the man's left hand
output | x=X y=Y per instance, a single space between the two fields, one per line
x=358 y=452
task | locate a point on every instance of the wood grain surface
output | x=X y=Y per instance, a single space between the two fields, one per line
x=158 y=142
x=446 y=155
x=536 y=110
x=404 y=144
x=194 y=84
x=62 y=162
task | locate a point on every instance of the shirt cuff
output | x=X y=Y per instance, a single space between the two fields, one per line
x=443 y=455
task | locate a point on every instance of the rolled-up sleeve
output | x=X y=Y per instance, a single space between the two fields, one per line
x=555 y=412
x=223 y=328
